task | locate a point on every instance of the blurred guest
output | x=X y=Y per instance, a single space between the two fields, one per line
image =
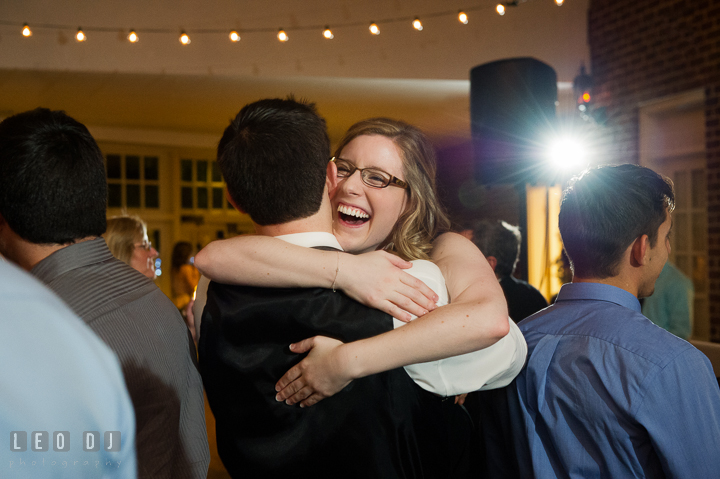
x=47 y=389
x=127 y=239
x=671 y=305
x=53 y=196
x=184 y=274
x=500 y=243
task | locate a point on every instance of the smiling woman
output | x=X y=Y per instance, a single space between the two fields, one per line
x=127 y=239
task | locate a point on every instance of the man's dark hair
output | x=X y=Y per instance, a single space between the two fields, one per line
x=501 y=240
x=274 y=157
x=607 y=208
x=52 y=178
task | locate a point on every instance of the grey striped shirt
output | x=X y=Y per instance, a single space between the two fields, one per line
x=142 y=326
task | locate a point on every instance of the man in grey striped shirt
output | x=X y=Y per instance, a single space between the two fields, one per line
x=52 y=215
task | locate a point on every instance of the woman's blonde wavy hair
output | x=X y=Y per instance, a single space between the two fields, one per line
x=424 y=218
x=121 y=235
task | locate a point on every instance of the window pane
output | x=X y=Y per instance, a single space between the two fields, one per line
x=132 y=196
x=217 y=198
x=700 y=274
x=216 y=175
x=114 y=195
x=682 y=188
x=681 y=230
x=151 y=168
x=699 y=232
x=699 y=190
x=683 y=262
x=152 y=196
x=113 y=166
x=186 y=200
x=202 y=195
x=132 y=168
x=202 y=167
x=186 y=171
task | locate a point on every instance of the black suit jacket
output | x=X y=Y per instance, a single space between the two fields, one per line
x=380 y=426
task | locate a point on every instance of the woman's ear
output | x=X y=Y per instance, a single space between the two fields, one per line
x=331 y=179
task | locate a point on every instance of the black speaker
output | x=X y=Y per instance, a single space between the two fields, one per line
x=512 y=109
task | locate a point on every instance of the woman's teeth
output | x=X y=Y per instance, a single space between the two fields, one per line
x=350 y=211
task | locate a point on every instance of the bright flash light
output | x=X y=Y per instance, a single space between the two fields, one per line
x=132 y=37
x=184 y=38
x=417 y=24
x=462 y=18
x=282 y=36
x=559 y=2
x=327 y=33
x=234 y=37
x=500 y=9
x=80 y=36
x=586 y=97
x=26 y=31
x=566 y=153
x=374 y=29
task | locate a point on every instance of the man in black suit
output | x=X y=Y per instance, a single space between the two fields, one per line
x=274 y=157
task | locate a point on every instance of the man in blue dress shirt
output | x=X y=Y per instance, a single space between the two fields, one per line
x=605 y=392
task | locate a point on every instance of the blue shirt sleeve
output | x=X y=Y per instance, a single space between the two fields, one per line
x=681 y=412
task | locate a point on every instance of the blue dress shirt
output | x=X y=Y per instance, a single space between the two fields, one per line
x=608 y=394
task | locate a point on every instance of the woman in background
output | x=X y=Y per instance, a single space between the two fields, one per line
x=184 y=275
x=127 y=239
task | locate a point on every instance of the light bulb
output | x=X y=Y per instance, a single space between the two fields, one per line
x=26 y=31
x=374 y=29
x=328 y=34
x=234 y=37
x=500 y=9
x=184 y=38
x=132 y=37
x=282 y=36
x=559 y=2
x=417 y=25
x=462 y=18
x=80 y=36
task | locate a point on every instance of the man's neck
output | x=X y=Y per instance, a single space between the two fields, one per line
x=27 y=255
x=618 y=281
x=320 y=222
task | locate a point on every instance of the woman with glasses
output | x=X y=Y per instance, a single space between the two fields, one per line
x=385 y=198
x=127 y=239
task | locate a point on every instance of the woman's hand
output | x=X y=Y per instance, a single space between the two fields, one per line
x=377 y=280
x=321 y=374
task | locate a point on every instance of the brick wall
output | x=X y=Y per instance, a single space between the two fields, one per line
x=648 y=49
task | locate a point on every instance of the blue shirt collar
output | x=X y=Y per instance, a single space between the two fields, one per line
x=598 y=292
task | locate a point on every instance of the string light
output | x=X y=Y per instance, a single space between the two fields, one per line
x=132 y=37
x=328 y=34
x=500 y=9
x=26 y=31
x=234 y=37
x=462 y=17
x=374 y=29
x=282 y=36
x=417 y=24
x=80 y=36
x=559 y=2
x=184 y=38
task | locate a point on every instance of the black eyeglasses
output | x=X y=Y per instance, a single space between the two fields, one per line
x=372 y=177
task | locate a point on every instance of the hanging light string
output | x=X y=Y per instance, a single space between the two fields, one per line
x=234 y=34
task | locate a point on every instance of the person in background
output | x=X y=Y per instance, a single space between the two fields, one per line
x=606 y=393
x=671 y=305
x=127 y=239
x=500 y=243
x=184 y=275
x=57 y=375
x=53 y=196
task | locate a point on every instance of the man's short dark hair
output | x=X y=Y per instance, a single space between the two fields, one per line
x=501 y=240
x=52 y=178
x=274 y=157
x=607 y=208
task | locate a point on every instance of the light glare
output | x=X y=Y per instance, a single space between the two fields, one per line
x=500 y=9
x=184 y=38
x=374 y=29
x=417 y=25
x=80 y=36
x=328 y=33
x=132 y=37
x=566 y=153
x=26 y=31
x=559 y=2
x=282 y=36
x=234 y=37
x=463 y=18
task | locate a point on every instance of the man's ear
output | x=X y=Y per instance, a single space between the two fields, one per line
x=493 y=261
x=331 y=178
x=638 y=250
x=232 y=202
